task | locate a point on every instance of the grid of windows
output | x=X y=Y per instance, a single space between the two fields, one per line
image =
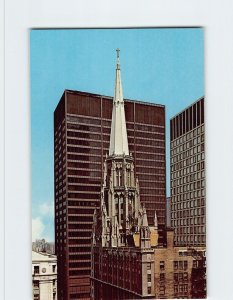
x=188 y=176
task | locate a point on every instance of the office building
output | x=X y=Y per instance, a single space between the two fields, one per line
x=82 y=124
x=188 y=197
x=44 y=276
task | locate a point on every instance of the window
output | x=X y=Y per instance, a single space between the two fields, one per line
x=36 y=283
x=175 y=265
x=36 y=269
x=162 y=265
x=195 y=264
x=148 y=266
x=149 y=277
x=175 y=276
x=162 y=276
x=149 y=289
x=54 y=268
x=181 y=265
x=162 y=290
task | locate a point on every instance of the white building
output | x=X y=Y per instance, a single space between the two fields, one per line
x=44 y=276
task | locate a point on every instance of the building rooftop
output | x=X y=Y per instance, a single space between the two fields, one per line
x=42 y=256
x=111 y=97
x=186 y=108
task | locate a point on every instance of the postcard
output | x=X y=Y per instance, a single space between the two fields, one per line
x=118 y=163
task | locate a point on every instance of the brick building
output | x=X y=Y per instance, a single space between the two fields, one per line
x=180 y=271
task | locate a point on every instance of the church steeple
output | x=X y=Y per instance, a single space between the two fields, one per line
x=118 y=138
x=123 y=218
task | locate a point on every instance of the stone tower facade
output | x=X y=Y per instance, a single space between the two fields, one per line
x=122 y=239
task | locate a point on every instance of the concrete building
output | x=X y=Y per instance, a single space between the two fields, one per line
x=188 y=197
x=82 y=125
x=122 y=253
x=44 y=276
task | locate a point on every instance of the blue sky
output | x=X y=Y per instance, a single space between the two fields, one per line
x=164 y=66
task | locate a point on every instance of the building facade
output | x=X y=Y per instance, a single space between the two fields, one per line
x=82 y=124
x=44 y=276
x=180 y=271
x=188 y=196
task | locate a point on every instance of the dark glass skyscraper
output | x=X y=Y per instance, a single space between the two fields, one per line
x=82 y=123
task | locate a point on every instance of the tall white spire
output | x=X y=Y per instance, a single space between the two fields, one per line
x=118 y=138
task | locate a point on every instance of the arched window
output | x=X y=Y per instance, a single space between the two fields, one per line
x=128 y=177
x=117 y=176
x=120 y=177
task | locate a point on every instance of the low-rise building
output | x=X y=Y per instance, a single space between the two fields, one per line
x=44 y=276
x=180 y=272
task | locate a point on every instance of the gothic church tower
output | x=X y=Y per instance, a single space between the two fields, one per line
x=121 y=233
x=121 y=212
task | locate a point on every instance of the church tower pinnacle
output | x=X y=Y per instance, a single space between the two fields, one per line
x=123 y=218
x=118 y=137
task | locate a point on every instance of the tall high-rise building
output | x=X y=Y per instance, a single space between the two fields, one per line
x=188 y=201
x=82 y=124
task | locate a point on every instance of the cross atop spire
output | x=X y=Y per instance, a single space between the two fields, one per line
x=118 y=138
